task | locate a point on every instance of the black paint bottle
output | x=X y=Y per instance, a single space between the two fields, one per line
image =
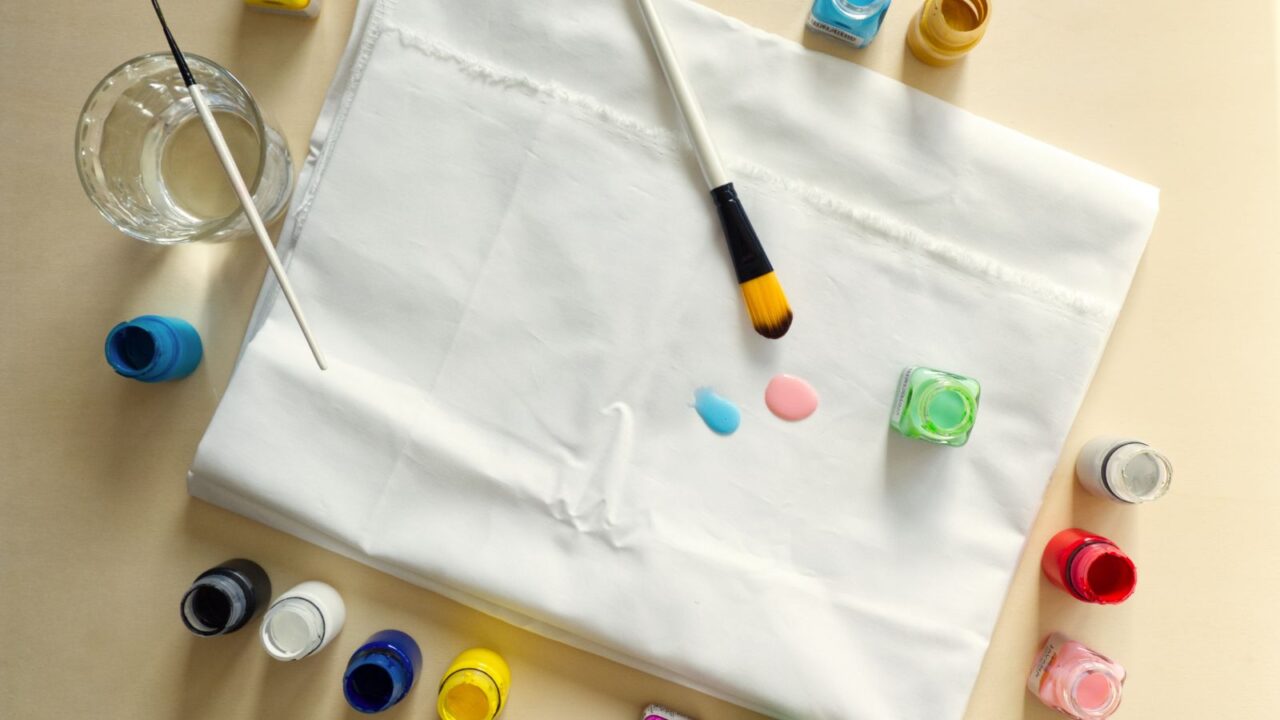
x=225 y=597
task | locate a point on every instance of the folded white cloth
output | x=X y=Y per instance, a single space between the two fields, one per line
x=506 y=250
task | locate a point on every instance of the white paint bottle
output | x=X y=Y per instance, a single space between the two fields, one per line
x=302 y=621
x=1124 y=470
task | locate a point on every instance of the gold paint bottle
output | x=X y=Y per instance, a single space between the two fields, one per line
x=943 y=31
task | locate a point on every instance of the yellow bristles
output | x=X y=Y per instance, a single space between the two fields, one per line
x=770 y=313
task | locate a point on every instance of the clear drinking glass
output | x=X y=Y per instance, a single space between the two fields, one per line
x=146 y=163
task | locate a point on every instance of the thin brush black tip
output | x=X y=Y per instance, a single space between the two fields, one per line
x=187 y=77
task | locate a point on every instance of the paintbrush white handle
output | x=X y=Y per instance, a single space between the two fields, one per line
x=695 y=123
x=251 y=211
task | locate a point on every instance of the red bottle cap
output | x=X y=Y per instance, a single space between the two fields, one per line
x=1089 y=566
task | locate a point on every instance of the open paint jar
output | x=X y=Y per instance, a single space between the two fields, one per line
x=223 y=598
x=382 y=671
x=1076 y=681
x=474 y=687
x=147 y=164
x=1123 y=470
x=935 y=406
x=943 y=31
x=302 y=621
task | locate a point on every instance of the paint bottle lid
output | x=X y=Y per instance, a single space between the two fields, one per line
x=154 y=348
x=474 y=687
x=1089 y=567
x=302 y=621
x=382 y=671
x=1124 y=470
x=224 y=598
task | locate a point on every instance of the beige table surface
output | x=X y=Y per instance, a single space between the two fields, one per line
x=98 y=537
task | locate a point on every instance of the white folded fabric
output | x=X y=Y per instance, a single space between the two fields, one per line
x=508 y=254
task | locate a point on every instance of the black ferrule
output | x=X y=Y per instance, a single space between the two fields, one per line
x=749 y=260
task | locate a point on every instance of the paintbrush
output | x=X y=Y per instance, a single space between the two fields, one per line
x=766 y=304
x=242 y=192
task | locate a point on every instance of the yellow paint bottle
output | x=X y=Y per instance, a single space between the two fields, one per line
x=306 y=8
x=474 y=687
x=943 y=31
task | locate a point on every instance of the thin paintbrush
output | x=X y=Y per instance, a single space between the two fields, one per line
x=767 y=305
x=242 y=192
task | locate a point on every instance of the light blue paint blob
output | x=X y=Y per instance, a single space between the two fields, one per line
x=722 y=416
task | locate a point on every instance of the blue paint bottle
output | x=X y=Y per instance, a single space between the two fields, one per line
x=854 y=21
x=153 y=348
x=381 y=672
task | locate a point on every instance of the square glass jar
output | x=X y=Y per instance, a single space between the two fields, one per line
x=853 y=21
x=936 y=406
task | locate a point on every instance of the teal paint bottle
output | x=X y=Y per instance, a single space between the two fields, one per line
x=853 y=21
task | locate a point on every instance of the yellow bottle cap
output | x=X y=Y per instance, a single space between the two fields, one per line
x=474 y=687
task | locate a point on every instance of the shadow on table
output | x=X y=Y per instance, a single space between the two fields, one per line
x=940 y=82
x=275 y=44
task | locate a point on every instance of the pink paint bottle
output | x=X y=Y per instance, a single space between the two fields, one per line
x=1075 y=680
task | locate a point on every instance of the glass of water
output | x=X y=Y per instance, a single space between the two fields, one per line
x=146 y=163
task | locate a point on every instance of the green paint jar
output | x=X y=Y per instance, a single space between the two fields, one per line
x=935 y=406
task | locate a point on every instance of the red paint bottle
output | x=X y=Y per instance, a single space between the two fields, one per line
x=1089 y=566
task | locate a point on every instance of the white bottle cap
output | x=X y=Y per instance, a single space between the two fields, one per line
x=1123 y=469
x=303 y=620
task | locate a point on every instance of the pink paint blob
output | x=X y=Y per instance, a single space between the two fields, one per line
x=790 y=398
